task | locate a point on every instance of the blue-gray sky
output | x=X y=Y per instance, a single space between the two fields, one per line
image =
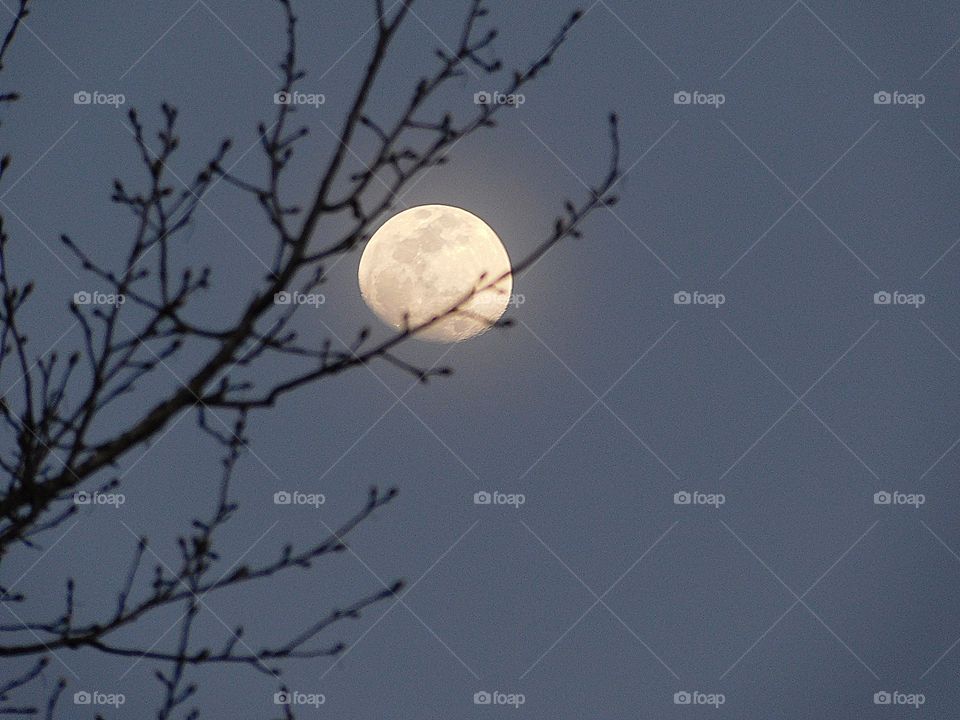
x=797 y=199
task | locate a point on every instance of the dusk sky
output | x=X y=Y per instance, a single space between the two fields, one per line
x=766 y=325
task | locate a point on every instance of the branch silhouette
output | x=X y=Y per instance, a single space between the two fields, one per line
x=56 y=410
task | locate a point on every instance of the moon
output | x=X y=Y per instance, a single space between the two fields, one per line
x=424 y=261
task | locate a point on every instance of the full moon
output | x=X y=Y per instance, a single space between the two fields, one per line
x=424 y=261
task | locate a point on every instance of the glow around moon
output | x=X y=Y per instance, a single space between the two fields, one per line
x=425 y=260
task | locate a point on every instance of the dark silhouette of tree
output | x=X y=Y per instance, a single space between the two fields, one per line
x=60 y=446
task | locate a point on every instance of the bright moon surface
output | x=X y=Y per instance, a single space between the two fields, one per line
x=425 y=260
